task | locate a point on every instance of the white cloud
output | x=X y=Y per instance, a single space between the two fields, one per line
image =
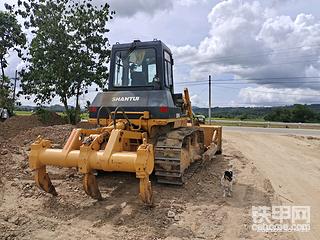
x=237 y=38
x=199 y=101
x=274 y=96
x=185 y=53
x=190 y=2
x=250 y=39
x=128 y=8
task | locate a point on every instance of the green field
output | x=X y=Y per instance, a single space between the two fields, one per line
x=84 y=116
x=28 y=113
x=238 y=119
x=23 y=113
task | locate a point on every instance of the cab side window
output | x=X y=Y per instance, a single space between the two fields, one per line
x=167 y=69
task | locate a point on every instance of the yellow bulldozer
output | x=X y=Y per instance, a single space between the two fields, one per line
x=143 y=127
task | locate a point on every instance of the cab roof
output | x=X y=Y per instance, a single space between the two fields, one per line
x=138 y=43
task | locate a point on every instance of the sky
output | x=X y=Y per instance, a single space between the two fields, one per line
x=259 y=53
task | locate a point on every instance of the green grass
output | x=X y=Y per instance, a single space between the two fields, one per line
x=28 y=113
x=62 y=114
x=238 y=119
x=23 y=113
x=84 y=116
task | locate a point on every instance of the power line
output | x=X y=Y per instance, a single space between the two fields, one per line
x=255 y=66
x=290 y=77
x=230 y=62
x=261 y=83
x=273 y=92
x=215 y=60
x=263 y=103
x=283 y=50
x=253 y=79
x=303 y=56
x=244 y=83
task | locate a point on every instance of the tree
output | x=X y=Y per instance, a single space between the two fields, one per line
x=69 y=51
x=279 y=115
x=302 y=113
x=6 y=99
x=243 y=116
x=299 y=113
x=11 y=39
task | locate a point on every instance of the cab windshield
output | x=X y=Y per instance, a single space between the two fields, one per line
x=135 y=67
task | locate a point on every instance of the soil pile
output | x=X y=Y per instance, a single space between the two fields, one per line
x=51 y=118
x=14 y=125
x=58 y=134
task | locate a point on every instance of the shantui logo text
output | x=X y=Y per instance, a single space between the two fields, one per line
x=125 y=99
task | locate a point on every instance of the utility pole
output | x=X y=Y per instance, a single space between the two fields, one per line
x=14 y=87
x=210 y=99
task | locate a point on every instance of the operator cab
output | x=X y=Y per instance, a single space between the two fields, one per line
x=140 y=66
x=141 y=79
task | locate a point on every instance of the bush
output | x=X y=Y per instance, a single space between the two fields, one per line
x=6 y=100
x=70 y=116
x=43 y=115
x=299 y=113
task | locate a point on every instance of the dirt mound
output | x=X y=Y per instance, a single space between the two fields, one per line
x=49 y=118
x=16 y=124
x=57 y=134
x=14 y=152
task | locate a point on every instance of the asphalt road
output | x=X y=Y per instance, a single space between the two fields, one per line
x=303 y=132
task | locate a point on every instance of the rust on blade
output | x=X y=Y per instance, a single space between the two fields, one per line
x=43 y=181
x=91 y=187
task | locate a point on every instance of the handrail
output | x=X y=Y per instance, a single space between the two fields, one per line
x=98 y=114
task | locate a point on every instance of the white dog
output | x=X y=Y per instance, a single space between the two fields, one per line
x=226 y=181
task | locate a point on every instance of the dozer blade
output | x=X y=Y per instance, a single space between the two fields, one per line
x=43 y=181
x=91 y=187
